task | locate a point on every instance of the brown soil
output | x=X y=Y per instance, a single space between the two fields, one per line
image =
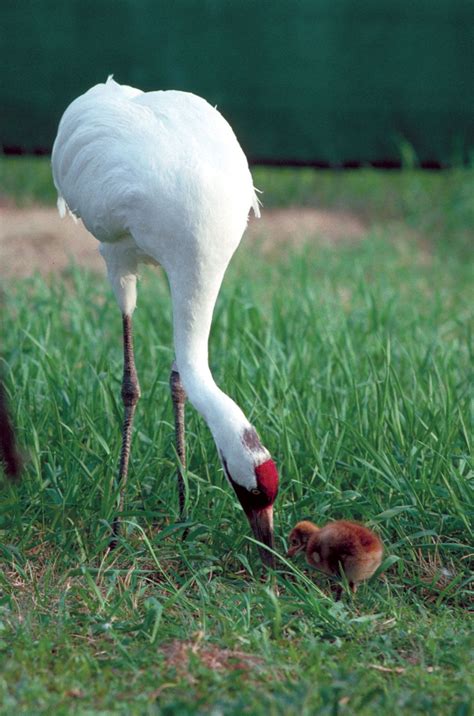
x=36 y=239
x=179 y=653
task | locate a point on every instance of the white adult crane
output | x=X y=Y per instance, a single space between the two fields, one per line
x=159 y=177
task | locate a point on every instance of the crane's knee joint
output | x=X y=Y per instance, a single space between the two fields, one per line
x=177 y=390
x=130 y=391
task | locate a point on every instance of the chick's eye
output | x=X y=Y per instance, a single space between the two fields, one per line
x=295 y=541
x=255 y=491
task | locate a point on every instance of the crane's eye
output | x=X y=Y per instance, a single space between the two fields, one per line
x=255 y=491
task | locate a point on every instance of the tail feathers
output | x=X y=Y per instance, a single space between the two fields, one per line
x=256 y=203
x=63 y=209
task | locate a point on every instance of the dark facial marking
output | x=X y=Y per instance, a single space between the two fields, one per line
x=251 y=440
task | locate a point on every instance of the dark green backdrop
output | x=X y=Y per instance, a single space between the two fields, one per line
x=310 y=81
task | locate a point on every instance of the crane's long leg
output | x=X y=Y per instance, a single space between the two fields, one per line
x=130 y=395
x=178 y=396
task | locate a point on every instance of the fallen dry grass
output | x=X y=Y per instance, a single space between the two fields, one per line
x=178 y=654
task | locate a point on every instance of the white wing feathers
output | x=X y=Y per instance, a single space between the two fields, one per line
x=122 y=155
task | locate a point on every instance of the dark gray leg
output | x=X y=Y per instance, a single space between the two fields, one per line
x=130 y=395
x=8 y=451
x=178 y=396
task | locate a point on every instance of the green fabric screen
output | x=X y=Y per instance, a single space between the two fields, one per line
x=301 y=81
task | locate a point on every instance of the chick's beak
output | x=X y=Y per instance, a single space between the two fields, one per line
x=261 y=522
x=293 y=550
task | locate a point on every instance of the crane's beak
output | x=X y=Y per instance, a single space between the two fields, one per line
x=261 y=522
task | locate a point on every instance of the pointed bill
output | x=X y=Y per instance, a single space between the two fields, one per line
x=261 y=522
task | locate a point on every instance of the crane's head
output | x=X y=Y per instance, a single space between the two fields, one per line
x=254 y=477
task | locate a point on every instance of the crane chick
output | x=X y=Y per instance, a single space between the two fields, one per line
x=340 y=545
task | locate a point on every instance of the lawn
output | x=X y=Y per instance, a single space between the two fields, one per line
x=353 y=360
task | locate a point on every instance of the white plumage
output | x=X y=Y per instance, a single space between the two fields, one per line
x=160 y=177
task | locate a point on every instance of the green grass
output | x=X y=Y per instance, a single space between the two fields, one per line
x=26 y=180
x=353 y=363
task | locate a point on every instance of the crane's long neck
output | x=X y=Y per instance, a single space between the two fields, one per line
x=247 y=464
x=193 y=305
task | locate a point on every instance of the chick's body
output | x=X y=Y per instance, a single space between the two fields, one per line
x=346 y=545
x=339 y=545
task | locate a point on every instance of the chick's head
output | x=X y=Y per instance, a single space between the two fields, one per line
x=299 y=537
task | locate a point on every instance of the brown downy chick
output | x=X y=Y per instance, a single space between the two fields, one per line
x=341 y=544
x=347 y=545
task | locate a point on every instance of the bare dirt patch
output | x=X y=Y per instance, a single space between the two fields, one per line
x=179 y=653
x=36 y=239
x=295 y=226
